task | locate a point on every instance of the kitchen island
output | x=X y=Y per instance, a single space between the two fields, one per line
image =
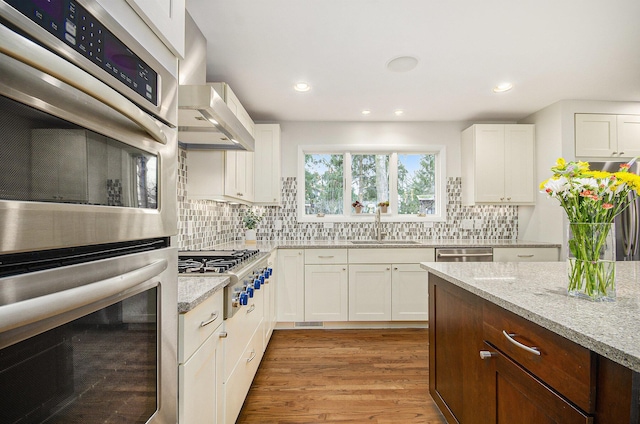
x=507 y=343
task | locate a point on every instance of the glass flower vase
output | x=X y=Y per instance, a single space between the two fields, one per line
x=591 y=261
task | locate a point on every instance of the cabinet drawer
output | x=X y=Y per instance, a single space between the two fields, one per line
x=238 y=384
x=198 y=324
x=392 y=256
x=524 y=254
x=325 y=256
x=240 y=328
x=564 y=365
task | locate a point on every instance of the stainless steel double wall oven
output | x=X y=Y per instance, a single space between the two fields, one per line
x=87 y=210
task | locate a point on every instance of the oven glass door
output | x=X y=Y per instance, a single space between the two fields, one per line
x=47 y=159
x=98 y=368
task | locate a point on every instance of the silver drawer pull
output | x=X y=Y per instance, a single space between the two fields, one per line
x=326 y=257
x=213 y=317
x=510 y=337
x=253 y=355
x=223 y=335
x=525 y=256
x=252 y=308
x=463 y=255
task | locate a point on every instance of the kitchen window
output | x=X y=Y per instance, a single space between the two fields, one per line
x=332 y=180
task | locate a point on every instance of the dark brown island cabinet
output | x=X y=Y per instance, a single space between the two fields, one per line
x=484 y=370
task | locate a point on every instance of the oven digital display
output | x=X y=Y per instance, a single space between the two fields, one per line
x=75 y=26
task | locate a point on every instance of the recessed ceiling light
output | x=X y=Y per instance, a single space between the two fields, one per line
x=502 y=87
x=399 y=112
x=366 y=112
x=302 y=86
x=402 y=64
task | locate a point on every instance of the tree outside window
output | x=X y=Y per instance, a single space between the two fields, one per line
x=324 y=183
x=369 y=180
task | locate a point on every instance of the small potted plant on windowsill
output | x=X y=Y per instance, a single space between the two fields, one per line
x=251 y=220
x=383 y=206
x=357 y=206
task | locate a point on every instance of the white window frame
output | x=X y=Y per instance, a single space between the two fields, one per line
x=441 y=160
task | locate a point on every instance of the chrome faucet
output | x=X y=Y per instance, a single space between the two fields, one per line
x=378 y=225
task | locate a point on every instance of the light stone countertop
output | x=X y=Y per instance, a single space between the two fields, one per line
x=538 y=293
x=192 y=291
x=267 y=246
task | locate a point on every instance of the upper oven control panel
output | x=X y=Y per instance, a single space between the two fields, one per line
x=75 y=26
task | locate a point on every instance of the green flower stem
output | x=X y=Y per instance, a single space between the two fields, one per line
x=589 y=273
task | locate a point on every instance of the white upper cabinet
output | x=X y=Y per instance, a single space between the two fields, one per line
x=220 y=175
x=166 y=18
x=607 y=136
x=267 y=164
x=498 y=164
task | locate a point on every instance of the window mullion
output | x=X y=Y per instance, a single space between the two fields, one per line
x=348 y=178
x=393 y=182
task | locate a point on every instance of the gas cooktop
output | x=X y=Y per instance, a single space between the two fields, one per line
x=213 y=261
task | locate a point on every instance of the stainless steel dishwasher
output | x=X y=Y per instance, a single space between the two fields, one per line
x=468 y=254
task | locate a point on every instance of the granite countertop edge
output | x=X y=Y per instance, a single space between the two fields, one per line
x=592 y=343
x=192 y=291
x=268 y=246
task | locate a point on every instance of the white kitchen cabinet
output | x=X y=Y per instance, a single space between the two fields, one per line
x=201 y=365
x=370 y=292
x=326 y=293
x=290 y=293
x=270 y=291
x=167 y=20
x=267 y=179
x=526 y=254
x=409 y=293
x=200 y=384
x=607 y=136
x=388 y=284
x=239 y=174
x=220 y=175
x=59 y=164
x=498 y=164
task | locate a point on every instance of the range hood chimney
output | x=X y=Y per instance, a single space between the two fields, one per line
x=205 y=121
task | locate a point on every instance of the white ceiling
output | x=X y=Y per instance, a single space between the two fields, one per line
x=549 y=49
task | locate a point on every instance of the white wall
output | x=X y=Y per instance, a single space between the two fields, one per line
x=409 y=134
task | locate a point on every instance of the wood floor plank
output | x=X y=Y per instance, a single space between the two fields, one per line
x=343 y=376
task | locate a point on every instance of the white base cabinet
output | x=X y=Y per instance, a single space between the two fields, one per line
x=290 y=294
x=200 y=384
x=526 y=254
x=325 y=293
x=201 y=365
x=409 y=293
x=370 y=292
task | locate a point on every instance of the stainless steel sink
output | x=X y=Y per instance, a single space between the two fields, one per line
x=385 y=242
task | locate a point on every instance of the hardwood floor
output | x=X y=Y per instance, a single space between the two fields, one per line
x=345 y=376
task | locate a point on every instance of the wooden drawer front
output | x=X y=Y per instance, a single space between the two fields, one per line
x=523 y=254
x=521 y=398
x=389 y=256
x=325 y=256
x=238 y=384
x=563 y=365
x=198 y=324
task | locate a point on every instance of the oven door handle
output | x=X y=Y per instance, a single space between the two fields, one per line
x=28 y=311
x=45 y=61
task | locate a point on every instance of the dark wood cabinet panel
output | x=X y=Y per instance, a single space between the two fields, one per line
x=566 y=366
x=456 y=372
x=566 y=384
x=521 y=398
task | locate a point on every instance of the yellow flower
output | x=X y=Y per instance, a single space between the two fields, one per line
x=597 y=174
x=561 y=163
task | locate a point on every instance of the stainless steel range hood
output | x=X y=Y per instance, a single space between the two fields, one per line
x=206 y=122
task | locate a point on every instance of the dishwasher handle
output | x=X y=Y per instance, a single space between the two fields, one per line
x=463 y=255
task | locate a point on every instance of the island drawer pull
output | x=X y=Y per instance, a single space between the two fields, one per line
x=510 y=337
